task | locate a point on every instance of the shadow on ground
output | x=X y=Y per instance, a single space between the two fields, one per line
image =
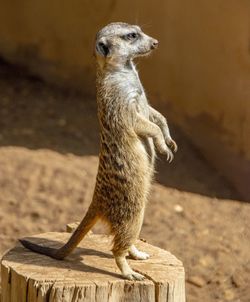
x=36 y=115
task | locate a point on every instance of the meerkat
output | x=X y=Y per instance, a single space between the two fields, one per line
x=130 y=132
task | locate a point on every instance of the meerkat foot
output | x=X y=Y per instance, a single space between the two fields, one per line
x=137 y=255
x=126 y=270
x=134 y=276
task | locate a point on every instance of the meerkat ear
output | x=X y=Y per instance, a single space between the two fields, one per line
x=103 y=48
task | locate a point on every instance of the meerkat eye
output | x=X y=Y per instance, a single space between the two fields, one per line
x=131 y=36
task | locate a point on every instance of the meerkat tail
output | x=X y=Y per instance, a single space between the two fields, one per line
x=86 y=224
x=48 y=251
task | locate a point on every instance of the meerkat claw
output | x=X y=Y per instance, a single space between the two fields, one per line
x=172 y=144
x=170 y=156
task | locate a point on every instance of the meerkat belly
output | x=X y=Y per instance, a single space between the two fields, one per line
x=124 y=178
x=150 y=149
x=146 y=148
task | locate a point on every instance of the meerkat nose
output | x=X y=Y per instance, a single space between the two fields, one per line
x=154 y=44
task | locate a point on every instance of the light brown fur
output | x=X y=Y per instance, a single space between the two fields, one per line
x=130 y=130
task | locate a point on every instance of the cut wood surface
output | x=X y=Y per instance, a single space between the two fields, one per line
x=88 y=274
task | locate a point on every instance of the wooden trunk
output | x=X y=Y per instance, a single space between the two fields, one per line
x=88 y=274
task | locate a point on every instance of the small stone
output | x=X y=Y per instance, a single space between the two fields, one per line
x=178 y=208
x=197 y=281
x=237 y=280
x=229 y=294
x=206 y=261
x=205 y=232
x=12 y=202
x=70 y=227
x=35 y=215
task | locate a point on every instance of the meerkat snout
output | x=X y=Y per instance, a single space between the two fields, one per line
x=154 y=44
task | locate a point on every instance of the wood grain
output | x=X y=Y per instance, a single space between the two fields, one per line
x=89 y=274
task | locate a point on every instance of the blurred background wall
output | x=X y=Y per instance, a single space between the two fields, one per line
x=199 y=76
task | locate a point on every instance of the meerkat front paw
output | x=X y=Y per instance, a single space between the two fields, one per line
x=134 y=276
x=165 y=150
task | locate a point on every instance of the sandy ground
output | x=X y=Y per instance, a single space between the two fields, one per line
x=48 y=160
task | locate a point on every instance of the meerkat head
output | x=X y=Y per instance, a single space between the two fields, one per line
x=118 y=42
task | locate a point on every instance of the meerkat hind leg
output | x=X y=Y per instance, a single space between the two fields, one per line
x=136 y=254
x=125 y=269
x=123 y=240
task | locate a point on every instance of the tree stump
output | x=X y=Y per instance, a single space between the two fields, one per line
x=89 y=274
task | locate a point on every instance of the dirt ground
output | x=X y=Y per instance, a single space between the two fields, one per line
x=48 y=160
